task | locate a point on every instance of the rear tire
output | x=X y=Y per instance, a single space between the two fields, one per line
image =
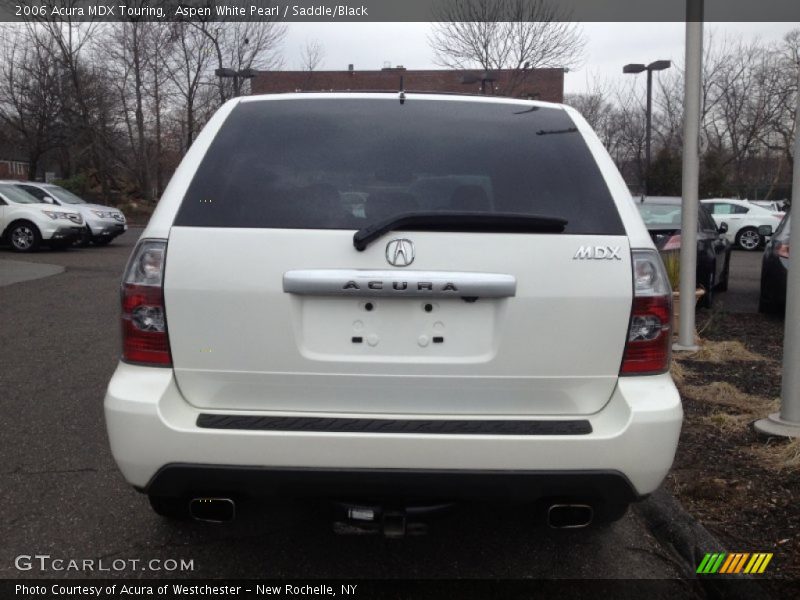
x=749 y=239
x=169 y=507
x=24 y=236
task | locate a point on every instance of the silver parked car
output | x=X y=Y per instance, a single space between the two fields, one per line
x=103 y=223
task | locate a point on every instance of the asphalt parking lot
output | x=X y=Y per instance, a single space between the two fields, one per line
x=63 y=495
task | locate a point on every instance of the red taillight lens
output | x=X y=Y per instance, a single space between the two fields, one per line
x=649 y=337
x=648 y=348
x=673 y=243
x=144 y=324
x=782 y=249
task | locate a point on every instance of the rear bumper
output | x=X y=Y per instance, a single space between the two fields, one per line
x=400 y=485
x=158 y=445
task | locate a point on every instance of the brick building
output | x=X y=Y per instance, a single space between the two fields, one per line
x=538 y=84
x=13 y=164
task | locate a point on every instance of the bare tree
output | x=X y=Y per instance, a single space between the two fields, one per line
x=188 y=69
x=30 y=102
x=241 y=45
x=119 y=103
x=88 y=110
x=504 y=34
x=127 y=44
x=596 y=106
x=311 y=55
x=161 y=44
x=630 y=123
x=784 y=89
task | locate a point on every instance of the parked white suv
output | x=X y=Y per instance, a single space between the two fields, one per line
x=390 y=298
x=103 y=223
x=743 y=219
x=26 y=222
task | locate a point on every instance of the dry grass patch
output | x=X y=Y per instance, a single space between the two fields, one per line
x=779 y=455
x=718 y=352
x=734 y=410
x=728 y=423
x=734 y=413
x=727 y=395
x=790 y=454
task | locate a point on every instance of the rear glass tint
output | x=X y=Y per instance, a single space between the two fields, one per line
x=315 y=163
x=668 y=216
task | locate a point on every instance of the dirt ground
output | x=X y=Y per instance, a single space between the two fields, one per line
x=743 y=488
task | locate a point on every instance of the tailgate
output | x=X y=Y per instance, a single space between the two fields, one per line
x=549 y=344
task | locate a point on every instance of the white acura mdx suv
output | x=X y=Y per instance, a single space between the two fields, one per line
x=393 y=298
x=102 y=223
x=26 y=222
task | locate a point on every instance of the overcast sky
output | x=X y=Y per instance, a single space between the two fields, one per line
x=609 y=45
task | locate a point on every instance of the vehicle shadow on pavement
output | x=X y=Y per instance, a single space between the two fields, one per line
x=276 y=539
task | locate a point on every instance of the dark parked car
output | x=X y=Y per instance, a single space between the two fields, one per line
x=662 y=216
x=773 y=270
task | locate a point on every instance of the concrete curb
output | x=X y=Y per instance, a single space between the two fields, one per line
x=684 y=536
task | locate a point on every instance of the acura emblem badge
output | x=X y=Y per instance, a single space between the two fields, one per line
x=400 y=252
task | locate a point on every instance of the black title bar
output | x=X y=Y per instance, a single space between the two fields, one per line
x=392 y=10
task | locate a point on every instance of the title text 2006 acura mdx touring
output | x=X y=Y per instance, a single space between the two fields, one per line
x=395 y=297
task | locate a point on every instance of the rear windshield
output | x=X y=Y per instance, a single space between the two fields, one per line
x=347 y=163
x=668 y=216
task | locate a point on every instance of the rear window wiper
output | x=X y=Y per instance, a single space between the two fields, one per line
x=459 y=221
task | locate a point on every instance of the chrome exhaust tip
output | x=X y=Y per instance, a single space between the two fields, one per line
x=212 y=510
x=570 y=516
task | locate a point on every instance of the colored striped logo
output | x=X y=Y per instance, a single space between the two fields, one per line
x=735 y=562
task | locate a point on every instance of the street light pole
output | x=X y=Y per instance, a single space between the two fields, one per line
x=690 y=183
x=635 y=68
x=649 y=130
x=787 y=421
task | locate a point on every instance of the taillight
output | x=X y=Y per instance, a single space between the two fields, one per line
x=649 y=346
x=782 y=249
x=144 y=321
x=673 y=243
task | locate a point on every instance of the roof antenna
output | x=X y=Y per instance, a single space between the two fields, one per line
x=402 y=91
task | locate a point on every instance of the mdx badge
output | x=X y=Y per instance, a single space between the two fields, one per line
x=400 y=252
x=597 y=253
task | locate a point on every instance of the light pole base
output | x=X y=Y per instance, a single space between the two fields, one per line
x=775 y=426
x=678 y=347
